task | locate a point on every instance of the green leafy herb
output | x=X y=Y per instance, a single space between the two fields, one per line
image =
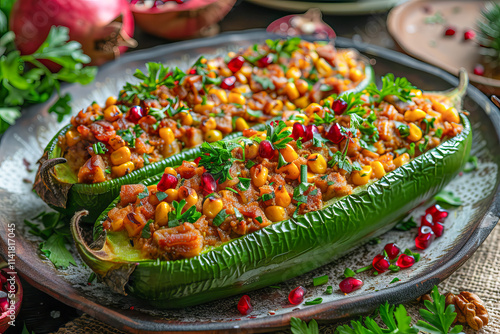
x=283 y=48
x=394 y=268
x=472 y=164
x=275 y=287
x=320 y=280
x=408 y=251
x=439 y=133
x=329 y=290
x=91 y=278
x=144 y=193
x=315 y=301
x=440 y=318
x=219 y=219
x=349 y=273
x=399 y=87
x=448 y=197
x=411 y=150
x=176 y=217
x=55 y=250
x=146 y=232
x=217 y=159
x=301 y=327
x=406 y=225
x=238 y=214
x=404 y=130
x=161 y=195
x=394 y=280
x=265 y=82
x=268 y=196
x=61 y=108
x=250 y=164
x=277 y=136
x=429 y=124
x=244 y=183
x=281 y=161
x=254 y=113
x=298 y=192
x=99 y=148
x=128 y=136
x=259 y=219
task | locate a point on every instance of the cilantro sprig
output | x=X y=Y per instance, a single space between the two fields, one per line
x=277 y=136
x=217 y=158
x=399 y=87
x=176 y=217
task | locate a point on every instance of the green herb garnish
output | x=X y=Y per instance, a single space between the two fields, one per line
x=320 y=280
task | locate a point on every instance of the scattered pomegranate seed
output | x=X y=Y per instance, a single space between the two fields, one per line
x=437 y=212
x=192 y=71
x=392 y=250
x=266 y=149
x=450 y=31
x=469 y=34
x=296 y=296
x=236 y=63
x=208 y=184
x=244 y=305
x=298 y=131
x=339 y=106
x=264 y=61
x=350 y=284
x=438 y=229
x=135 y=114
x=228 y=83
x=311 y=129
x=479 y=70
x=335 y=134
x=405 y=261
x=426 y=220
x=131 y=307
x=424 y=238
x=197 y=161
x=168 y=181
x=380 y=263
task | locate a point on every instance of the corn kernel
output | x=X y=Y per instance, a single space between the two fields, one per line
x=289 y=153
x=302 y=102
x=204 y=108
x=355 y=74
x=275 y=213
x=290 y=106
x=189 y=195
x=226 y=72
x=258 y=175
x=378 y=169
x=416 y=92
x=402 y=160
x=324 y=69
x=414 y=115
x=112 y=113
x=236 y=98
x=167 y=135
x=212 y=206
x=171 y=171
x=246 y=70
x=161 y=213
x=123 y=169
x=241 y=124
x=316 y=163
x=282 y=197
x=186 y=118
x=213 y=135
x=172 y=195
x=438 y=106
x=208 y=124
x=241 y=77
x=361 y=177
x=291 y=91
x=72 y=137
x=293 y=73
x=302 y=86
x=313 y=108
x=251 y=150
x=290 y=171
x=451 y=115
x=415 y=133
x=110 y=101
x=220 y=93
x=120 y=156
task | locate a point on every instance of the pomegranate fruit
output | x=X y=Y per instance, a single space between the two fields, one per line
x=380 y=263
x=266 y=149
x=104 y=28
x=236 y=63
x=244 y=306
x=339 y=106
x=228 y=83
x=298 y=131
x=392 y=250
x=405 y=261
x=296 y=296
x=11 y=297
x=168 y=181
x=350 y=284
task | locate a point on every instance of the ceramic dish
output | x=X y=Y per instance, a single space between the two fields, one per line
x=466 y=228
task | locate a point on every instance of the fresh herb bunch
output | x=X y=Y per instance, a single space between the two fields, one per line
x=277 y=136
x=439 y=320
x=176 y=217
x=278 y=48
x=22 y=84
x=218 y=159
x=399 y=87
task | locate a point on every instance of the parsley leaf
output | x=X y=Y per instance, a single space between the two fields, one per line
x=55 y=250
x=146 y=231
x=176 y=217
x=277 y=136
x=301 y=327
x=265 y=82
x=61 y=107
x=399 y=87
x=448 y=197
x=219 y=219
x=406 y=225
x=217 y=159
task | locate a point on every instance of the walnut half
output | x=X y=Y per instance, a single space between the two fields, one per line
x=469 y=308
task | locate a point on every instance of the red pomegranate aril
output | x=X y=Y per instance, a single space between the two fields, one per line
x=339 y=106
x=244 y=306
x=228 y=83
x=168 y=181
x=450 y=31
x=236 y=63
x=479 y=70
x=208 y=184
x=350 y=284
x=264 y=61
x=392 y=250
x=426 y=220
x=311 y=129
x=298 y=131
x=135 y=114
x=438 y=229
x=438 y=213
x=380 y=263
x=335 y=134
x=296 y=296
x=192 y=71
x=197 y=161
x=405 y=261
x=266 y=149
x=424 y=238
x=469 y=34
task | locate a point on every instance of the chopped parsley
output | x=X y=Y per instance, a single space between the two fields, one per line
x=99 y=148
x=176 y=217
x=146 y=230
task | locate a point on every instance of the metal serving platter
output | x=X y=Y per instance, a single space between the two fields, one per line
x=465 y=229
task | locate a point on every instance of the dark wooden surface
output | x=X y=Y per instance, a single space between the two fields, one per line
x=42 y=313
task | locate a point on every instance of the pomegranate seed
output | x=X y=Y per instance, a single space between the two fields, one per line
x=469 y=34
x=437 y=212
x=392 y=250
x=208 y=184
x=405 y=261
x=426 y=220
x=350 y=284
x=192 y=71
x=339 y=106
x=266 y=149
x=228 y=83
x=479 y=70
x=236 y=63
x=380 y=263
x=311 y=129
x=264 y=61
x=335 y=134
x=450 y=31
x=168 y=181
x=244 y=305
x=438 y=229
x=296 y=296
x=197 y=161
x=425 y=237
x=298 y=131
x=135 y=114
